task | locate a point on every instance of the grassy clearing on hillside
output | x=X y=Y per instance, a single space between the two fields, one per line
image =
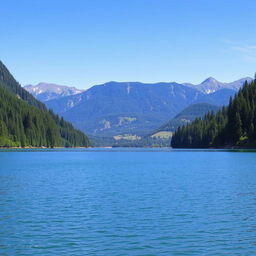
x=126 y=137
x=162 y=135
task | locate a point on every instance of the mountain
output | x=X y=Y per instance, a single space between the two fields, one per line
x=124 y=108
x=211 y=85
x=24 y=121
x=219 y=98
x=187 y=115
x=133 y=108
x=48 y=91
x=116 y=108
x=161 y=136
x=232 y=126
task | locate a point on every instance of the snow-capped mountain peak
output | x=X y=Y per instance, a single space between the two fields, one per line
x=50 y=91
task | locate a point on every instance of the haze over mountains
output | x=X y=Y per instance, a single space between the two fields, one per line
x=49 y=91
x=136 y=108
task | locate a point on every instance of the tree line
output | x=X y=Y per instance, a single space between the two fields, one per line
x=232 y=126
x=24 y=121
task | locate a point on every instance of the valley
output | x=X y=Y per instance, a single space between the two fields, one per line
x=134 y=113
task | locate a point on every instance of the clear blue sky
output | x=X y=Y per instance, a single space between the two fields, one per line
x=89 y=42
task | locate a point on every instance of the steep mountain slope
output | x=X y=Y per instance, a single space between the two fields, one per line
x=8 y=82
x=24 y=121
x=48 y=91
x=24 y=125
x=233 y=126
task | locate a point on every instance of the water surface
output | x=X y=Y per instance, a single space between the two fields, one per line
x=122 y=202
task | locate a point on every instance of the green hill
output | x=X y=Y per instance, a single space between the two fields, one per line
x=24 y=121
x=160 y=137
x=232 y=126
x=187 y=115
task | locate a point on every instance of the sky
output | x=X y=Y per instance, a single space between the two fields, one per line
x=86 y=42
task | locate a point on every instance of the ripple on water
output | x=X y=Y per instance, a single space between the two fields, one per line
x=127 y=203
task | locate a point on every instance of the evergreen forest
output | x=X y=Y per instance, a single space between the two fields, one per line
x=232 y=126
x=26 y=122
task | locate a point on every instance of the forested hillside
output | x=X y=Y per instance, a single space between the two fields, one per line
x=232 y=126
x=24 y=121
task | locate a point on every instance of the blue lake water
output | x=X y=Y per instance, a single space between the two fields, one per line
x=122 y=202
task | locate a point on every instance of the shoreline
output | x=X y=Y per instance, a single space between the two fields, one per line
x=175 y=149
x=40 y=147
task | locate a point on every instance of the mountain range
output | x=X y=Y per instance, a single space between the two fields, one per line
x=233 y=126
x=211 y=85
x=118 y=108
x=49 y=91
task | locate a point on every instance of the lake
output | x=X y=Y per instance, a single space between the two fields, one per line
x=117 y=202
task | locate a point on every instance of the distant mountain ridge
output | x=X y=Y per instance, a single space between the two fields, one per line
x=233 y=126
x=116 y=108
x=50 y=91
x=211 y=85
